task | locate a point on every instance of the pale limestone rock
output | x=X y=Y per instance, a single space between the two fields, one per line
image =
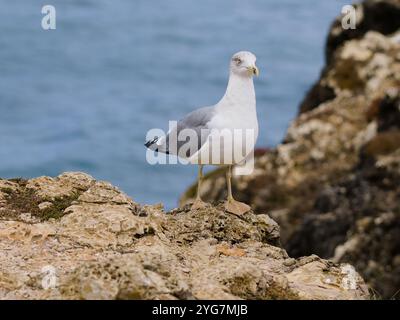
x=105 y=246
x=64 y=185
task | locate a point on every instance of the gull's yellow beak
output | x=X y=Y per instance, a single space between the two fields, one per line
x=253 y=71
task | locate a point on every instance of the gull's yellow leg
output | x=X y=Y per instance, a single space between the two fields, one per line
x=231 y=204
x=198 y=203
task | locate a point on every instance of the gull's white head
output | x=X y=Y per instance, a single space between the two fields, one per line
x=243 y=64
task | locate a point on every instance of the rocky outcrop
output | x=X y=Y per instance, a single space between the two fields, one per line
x=333 y=183
x=382 y=16
x=73 y=237
x=371 y=15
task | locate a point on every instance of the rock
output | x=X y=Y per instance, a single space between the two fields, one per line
x=44 y=205
x=375 y=18
x=64 y=186
x=375 y=15
x=359 y=223
x=337 y=169
x=103 y=245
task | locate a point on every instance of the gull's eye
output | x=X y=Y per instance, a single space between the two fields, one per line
x=237 y=60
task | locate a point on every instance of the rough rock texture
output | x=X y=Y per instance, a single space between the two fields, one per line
x=372 y=15
x=382 y=16
x=333 y=183
x=93 y=242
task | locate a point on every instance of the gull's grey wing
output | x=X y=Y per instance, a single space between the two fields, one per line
x=191 y=131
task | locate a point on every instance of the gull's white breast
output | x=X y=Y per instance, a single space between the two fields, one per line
x=233 y=136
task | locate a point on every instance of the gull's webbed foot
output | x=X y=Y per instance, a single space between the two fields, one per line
x=236 y=207
x=199 y=204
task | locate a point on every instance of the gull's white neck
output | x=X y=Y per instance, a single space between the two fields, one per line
x=239 y=94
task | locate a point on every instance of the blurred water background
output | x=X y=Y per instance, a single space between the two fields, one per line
x=82 y=97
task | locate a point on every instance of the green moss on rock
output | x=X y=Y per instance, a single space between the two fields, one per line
x=24 y=200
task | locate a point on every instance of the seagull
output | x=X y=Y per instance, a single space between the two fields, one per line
x=212 y=130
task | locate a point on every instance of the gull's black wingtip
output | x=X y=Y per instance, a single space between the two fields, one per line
x=151 y=142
